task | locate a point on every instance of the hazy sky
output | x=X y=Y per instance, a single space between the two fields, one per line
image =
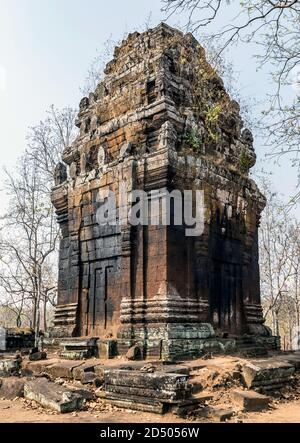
x=46 y=47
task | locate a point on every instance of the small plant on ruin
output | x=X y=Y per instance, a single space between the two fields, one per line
x=211 y=118
x=192 y=140
x=244 y=162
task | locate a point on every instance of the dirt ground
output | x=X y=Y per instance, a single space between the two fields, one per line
x=214 y=376
x=16 y=412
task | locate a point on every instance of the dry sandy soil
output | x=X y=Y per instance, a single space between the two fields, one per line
x=17 y=411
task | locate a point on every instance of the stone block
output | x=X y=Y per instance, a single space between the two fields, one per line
x=250 y=400
x=216 y=414
x=11 y=388
x=157 y=380
x=79 y=354
x=134 y=353
x=265 y=374
x=53 y=396
x=88 y=378
x=107 y=349
x=63 y=369
x=38 y=367
x=36 y=356
x=190 y=405
x=80 y=370
x=9 y=366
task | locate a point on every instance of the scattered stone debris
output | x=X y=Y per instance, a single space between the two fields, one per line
x=149 y=367
x=51 y=395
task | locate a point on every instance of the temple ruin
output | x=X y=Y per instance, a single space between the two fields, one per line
x=160 y=120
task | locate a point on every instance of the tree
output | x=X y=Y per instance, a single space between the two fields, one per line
x=47 y=140
x=279 y=248
x=29 y=231
x=274 y=27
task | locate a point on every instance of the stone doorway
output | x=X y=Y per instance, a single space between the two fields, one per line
x=226 y=297
x=97 y=319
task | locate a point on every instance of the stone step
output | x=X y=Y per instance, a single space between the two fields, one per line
x=78 y=348
x=64 y=321
x=71 y=306
x=67 y=314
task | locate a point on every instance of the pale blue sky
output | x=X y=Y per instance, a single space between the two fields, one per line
x=46 y=47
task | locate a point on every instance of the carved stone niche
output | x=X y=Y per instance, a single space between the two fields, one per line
x=101 y=157
x=83 y=163
x=125 y=150
x=73 y=170
x=167 y=136
x=84 y=104
x=60 y=174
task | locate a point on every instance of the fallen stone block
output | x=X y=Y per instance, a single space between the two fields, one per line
x=62 y=369
x=156 y=408
x=53 y=396
x=293 y=359
x=11 y=387
x=9 y=366
x=82 y=354
x=33 y=350
x=215 y=414
x=38 y=356
x=134 y=353
x=38 y=367
x=183 y=408
x=88 y=378
x=174 y=369
x=250 y=400
x=171 y=396
x=84 y=367
x=84 y=393
x=268 y=374
x=158 y=380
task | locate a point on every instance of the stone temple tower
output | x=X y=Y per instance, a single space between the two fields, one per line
x=160 y=120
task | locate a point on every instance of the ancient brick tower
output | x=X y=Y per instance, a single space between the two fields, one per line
x=160 y=119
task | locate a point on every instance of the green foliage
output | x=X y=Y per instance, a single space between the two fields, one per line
x=192 y=139
x=244 y=162
x=211 y=118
